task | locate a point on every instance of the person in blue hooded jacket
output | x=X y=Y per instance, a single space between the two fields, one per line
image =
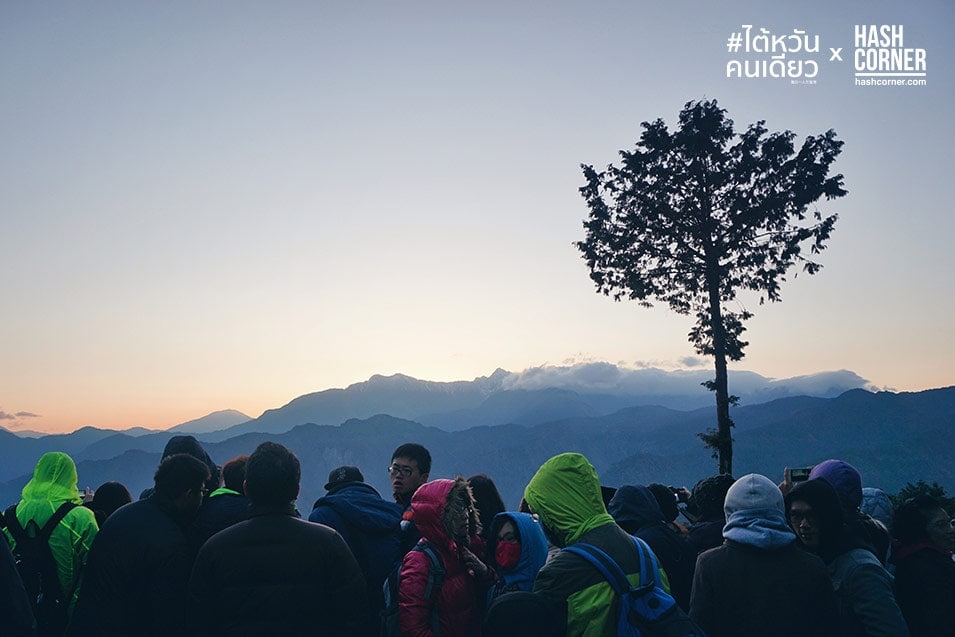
x=636 y=510
x=370 y=525
x=519 y=548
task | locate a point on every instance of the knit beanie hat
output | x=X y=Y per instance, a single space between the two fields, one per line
x=751 y=492
x=844 y=478
x=755 y=514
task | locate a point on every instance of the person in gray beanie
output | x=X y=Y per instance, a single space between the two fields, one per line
x=759 y=581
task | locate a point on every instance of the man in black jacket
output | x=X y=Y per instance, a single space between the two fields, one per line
x=274 y=573
x=139 y=564
x=223 y=507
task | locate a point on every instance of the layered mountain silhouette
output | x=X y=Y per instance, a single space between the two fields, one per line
x=506 y=427
x=530 y=397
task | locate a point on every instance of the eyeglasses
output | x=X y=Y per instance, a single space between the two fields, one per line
x=798 y=516
x=204 y=492
x=404 y=470
x=943 y=524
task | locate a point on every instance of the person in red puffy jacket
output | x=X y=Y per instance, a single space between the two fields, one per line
x=445 y=515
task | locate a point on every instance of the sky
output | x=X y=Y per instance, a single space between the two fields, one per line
x=225 y=205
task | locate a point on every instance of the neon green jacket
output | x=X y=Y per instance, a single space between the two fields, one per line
x=565 y=494
x=53 y=483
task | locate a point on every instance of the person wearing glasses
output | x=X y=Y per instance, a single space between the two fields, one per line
x=138 y=568
x=867 y=605
x=409 y=469
x=924 y=570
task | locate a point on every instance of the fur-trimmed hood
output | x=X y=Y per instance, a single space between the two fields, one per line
x=436 y=503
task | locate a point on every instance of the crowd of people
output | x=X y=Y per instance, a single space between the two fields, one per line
x=212 y=550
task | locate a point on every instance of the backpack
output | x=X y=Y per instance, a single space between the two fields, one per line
x=646 y=610
x=389 y=616
x=38 y=570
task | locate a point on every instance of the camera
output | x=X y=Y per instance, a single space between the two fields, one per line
x=800 y=474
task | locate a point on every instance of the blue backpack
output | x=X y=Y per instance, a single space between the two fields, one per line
x=646 y=610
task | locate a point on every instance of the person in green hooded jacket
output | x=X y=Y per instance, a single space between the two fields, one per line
x=53 y=483
x=565 y=495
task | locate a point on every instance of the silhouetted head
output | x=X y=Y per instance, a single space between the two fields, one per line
x=487 y=500
x=922 y=519
x=108 y=497
x=233 y=473
x=182 y=479
x=709 y=496
x=272 y=475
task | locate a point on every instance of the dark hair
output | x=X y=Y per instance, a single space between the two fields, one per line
x=272 y=475
x=708 y=496
x=233 y=472
x=416 y=452
x=666 y=500
x=910 y=523
x=487 y=500
x=178 y=473
x=108 y=497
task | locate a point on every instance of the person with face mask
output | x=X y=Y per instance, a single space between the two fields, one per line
x=519 y=548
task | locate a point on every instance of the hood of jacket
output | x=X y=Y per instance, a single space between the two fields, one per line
x=565 y=494
x=822 y=497
x=844 y=478
x=876 y=504
x=189 y=445
x=54 y=480
x=755 y=514
x=533 y=548
x=436 y=503
x=635 y=506
x=361 y=506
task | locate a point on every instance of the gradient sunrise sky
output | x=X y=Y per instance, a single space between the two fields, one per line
x=229 y=204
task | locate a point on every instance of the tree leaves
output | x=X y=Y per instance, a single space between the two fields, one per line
x=694 y=216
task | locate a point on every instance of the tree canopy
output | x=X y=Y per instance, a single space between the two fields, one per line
x=693 y=217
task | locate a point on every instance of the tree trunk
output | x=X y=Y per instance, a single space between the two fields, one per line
x=724 y=445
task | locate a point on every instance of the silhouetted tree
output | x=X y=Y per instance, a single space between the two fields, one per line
x=692 y=217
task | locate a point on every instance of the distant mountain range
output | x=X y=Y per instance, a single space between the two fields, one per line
x=530 y=397
x=506 y=426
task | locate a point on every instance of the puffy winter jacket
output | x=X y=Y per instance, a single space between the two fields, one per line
x=370 y=526
x=457 y=603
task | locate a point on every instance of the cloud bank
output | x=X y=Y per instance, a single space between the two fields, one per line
x=620 y=379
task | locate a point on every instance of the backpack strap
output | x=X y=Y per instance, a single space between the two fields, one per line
x=19 y=533
x=435 y=582
x=57 y=517
x=605 y=564
x=649 y=569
